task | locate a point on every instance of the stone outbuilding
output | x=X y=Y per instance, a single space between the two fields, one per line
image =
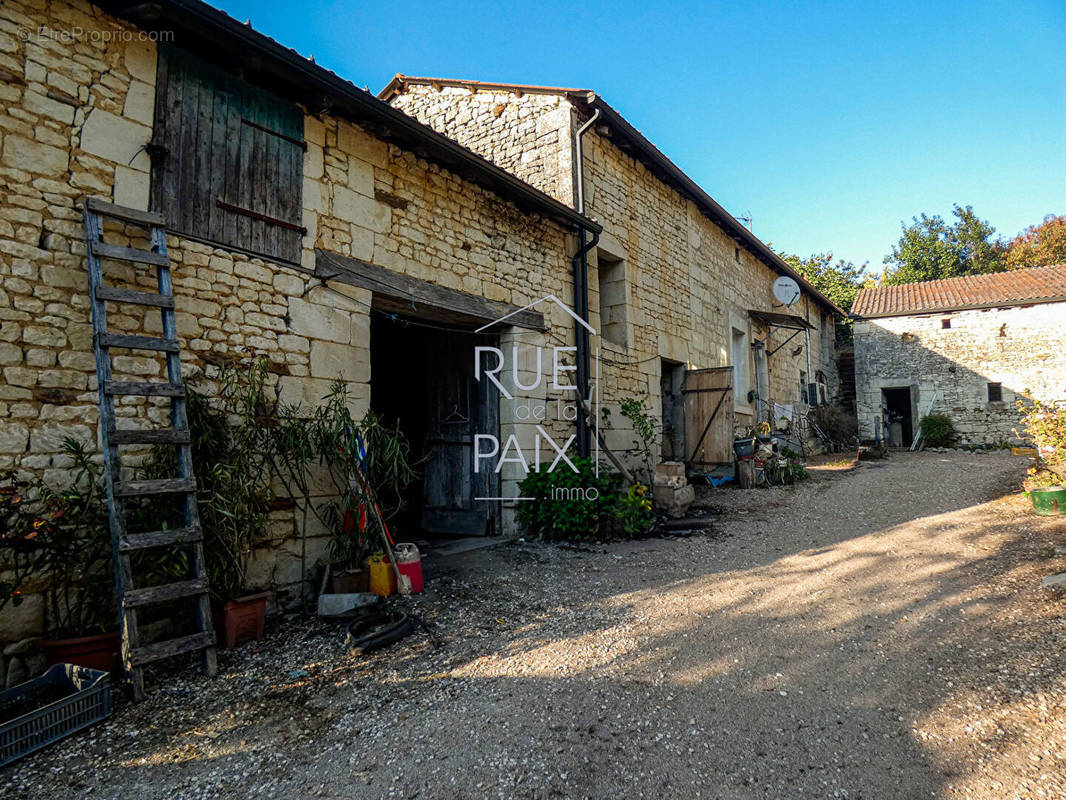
x=680 y=290
x=967 y=347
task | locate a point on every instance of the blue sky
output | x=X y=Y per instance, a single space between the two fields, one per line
x=827 y=123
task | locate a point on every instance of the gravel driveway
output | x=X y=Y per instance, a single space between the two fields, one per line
x=874 y=634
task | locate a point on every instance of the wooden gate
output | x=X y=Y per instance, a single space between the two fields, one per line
x=708 y=400
x=459 y=407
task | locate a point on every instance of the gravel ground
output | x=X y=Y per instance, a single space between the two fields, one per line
x=873 y=633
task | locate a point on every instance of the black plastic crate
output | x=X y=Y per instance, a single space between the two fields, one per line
x=65 y=699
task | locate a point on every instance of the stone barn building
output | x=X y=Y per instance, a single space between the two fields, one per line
x=968 y=348
x=314 y=224
x=307 y=221
x=681 y=290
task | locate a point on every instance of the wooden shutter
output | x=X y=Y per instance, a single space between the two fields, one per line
x=231 y=168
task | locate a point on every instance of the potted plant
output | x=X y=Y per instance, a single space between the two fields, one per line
x=59 y=540
x=233 y=494
x=1045 y=481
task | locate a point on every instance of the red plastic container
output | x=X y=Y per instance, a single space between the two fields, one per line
x=409 y=563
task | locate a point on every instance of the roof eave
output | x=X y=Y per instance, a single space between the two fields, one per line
x=707 y=204
x=917 y=312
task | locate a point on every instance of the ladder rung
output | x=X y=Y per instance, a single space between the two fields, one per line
x=172 y=647
x=147 y=219
x=156 y=486
x=142 y=541
x=147 y=388
x=157 y=436
x=138 y=342
x=105 y=250
x=118 y=295
x=135 y=598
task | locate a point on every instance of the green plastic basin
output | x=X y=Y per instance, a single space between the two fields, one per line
x=1050 y=501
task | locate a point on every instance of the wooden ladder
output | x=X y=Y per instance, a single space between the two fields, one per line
x=134 y=655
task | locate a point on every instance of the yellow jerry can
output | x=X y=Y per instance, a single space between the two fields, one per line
x=382 y=575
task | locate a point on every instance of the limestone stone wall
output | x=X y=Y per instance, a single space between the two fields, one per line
x=687 y=284
x=1020 y=348
x=529 y=134
x=77 y=111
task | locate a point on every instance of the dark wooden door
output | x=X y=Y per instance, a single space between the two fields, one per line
x=459 y=408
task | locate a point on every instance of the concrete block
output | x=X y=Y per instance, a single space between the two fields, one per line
x=117 y=139
x=333 y=605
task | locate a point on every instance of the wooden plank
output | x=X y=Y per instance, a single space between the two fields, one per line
x=144 y=388
x=156 y=486
x=219 y=112
x=412 y=290
x=113 y=251
x=158 y=436
x=142 y=541
x=136 y=598
x=145 y=219
x=119 y=295
x=245 y=179
x=138 y=342
x=186 y=644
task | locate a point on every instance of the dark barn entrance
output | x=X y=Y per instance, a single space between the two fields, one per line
x=422 y=376
x=897 y=411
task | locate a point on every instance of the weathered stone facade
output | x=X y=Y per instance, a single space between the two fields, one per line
x=686 y=285
x=78 y=111
x=1020 y=348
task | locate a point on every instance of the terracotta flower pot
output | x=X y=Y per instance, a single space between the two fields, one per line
x=99 y=651
x=241 y=620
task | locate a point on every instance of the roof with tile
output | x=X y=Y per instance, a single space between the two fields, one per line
x=1017 y=287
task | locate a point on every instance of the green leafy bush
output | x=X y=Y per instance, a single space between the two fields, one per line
x=938 y=431
x=569 y=505
x=633 y=510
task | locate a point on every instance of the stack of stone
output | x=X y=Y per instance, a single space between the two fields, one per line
x=672 y=492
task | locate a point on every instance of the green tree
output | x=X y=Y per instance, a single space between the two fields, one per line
x=930 y=249
x=838 y=280
x=1039 y=245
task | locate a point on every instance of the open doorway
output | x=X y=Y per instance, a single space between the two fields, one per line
x=422 y=377
x=896 y=411
x=671 y=379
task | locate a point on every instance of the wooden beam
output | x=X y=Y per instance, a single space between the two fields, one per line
x=415 y=292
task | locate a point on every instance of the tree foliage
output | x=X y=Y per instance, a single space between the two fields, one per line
x=1039 y=245
x=838 y=280
x=930 y=249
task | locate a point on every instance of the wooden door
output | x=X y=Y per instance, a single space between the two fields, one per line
x=459 y=408
x=708 y=401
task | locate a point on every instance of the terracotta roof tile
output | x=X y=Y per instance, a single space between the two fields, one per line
x=1036 y=285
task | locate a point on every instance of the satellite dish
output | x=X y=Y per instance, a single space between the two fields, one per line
x=786 y=290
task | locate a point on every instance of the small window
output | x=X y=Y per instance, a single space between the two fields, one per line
x=613 y=298
x=995 y=392
x=736 y=254
x=945 y=323
x=741 y=354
